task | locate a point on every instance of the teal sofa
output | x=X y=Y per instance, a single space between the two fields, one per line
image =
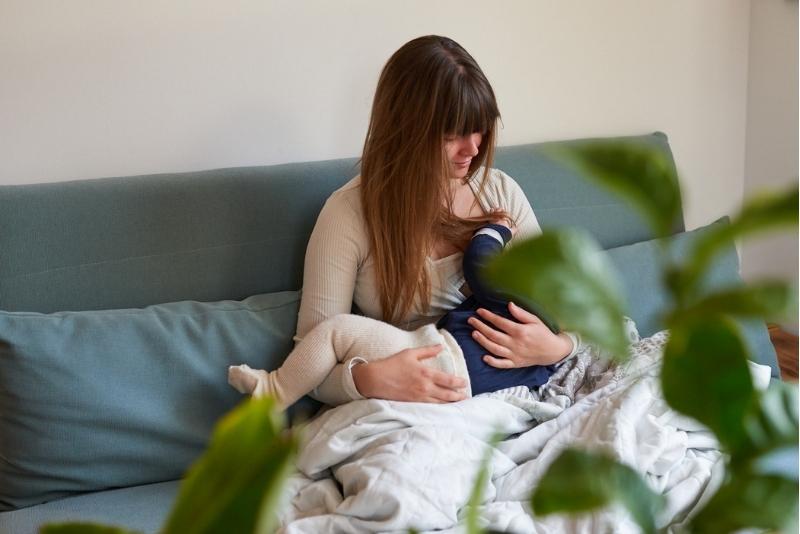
x=124 y=299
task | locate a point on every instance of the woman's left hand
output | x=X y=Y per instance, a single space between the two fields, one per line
x=518 y=344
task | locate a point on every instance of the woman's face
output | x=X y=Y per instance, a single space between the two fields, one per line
x=460 y=150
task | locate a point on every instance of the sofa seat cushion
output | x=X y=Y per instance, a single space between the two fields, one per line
x=104 y=399
x=142 y=508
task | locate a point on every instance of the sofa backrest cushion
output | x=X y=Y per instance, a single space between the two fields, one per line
x=224 y=234
x=95 y=400
x=135 y=241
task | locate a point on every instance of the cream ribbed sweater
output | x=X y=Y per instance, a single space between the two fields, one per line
x=338 y=273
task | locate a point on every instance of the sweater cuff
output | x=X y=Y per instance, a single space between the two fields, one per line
x=576 y=346
x=348 y=383
x=497 y=231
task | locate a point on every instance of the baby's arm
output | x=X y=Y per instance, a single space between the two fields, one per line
x=485 y=244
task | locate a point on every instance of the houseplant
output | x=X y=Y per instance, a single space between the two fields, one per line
x=704 y=373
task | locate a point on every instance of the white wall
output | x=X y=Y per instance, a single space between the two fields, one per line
x=92 y=88
x=772 y=137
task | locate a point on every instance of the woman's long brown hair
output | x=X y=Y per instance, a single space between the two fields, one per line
x=429 y=89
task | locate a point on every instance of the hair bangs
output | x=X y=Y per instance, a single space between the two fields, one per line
x=472 y=108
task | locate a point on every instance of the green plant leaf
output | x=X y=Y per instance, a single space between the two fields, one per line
x=705 y=375
x=640 y=172
x=766 y=212
x=579 y=481
x=770 y=300
x=83 y=528
x=563 y=273
x=770 y=428
x=236 y=484
x=749 y=500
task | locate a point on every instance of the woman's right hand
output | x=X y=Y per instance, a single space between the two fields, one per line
x=404 y=377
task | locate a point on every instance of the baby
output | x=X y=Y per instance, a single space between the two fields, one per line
x=348 y=337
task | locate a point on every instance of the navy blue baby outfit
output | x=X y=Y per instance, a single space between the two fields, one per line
x=483 y=377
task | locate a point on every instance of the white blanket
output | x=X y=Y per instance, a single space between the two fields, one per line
x=382 y=466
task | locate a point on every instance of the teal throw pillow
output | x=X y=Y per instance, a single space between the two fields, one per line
x=93 y=400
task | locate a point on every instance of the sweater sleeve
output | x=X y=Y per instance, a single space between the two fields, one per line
x=505 y=193
x=334 y=254
x=330 y=267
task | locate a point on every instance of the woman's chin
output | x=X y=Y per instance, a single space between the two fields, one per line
x=459 y=173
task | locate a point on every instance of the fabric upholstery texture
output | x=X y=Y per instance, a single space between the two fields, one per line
x=101 y=399
x=140 y=508
x=225 y=234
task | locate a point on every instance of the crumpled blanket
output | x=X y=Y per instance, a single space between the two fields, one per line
x=384 y=466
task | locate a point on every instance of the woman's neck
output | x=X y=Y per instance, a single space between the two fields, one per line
x=463 y=201
x=464 y=205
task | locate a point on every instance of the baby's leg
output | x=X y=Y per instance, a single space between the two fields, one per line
x=333 y=341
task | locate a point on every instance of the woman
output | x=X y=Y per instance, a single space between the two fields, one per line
x=390 y=240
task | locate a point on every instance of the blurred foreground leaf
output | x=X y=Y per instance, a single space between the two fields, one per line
x=579 y=481
x=760 y=214
x=83 y=528
x=637 y=171
x=770 y=427
x=472 y=522
x=236 y=484
x=769 y=300
x=705 y=375
x=564 y=274
x=768 y=502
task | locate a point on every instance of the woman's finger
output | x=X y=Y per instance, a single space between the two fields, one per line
x=497 y=336
x=448 y=381
x=500 y=363
x=522 y=315
x=491 y=346
x=501 y=323
x=446 y=395
x=423 y=353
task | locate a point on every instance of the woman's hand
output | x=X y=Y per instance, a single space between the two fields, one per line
x=504 y=221
x=404 y=377
x=522 y=344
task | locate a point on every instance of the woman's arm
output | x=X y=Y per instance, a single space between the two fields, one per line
x=331 y=265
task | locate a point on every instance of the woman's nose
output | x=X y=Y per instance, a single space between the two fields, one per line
x=470 y=144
